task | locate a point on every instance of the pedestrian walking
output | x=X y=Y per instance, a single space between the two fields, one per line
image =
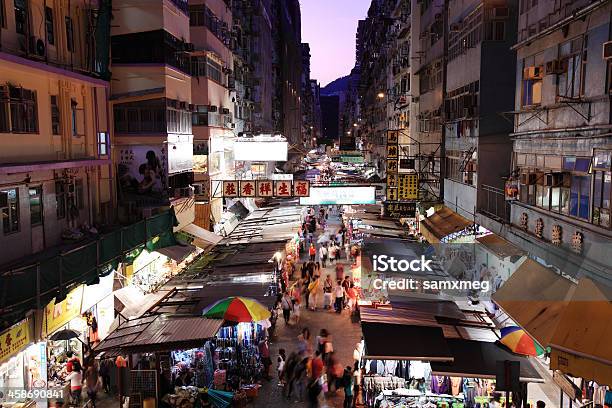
x=340 y=271
x=280 y=366
x=348 y=385
x=288 y=375
x=339 y=296
x=323 y=255
x=332 y=253
x=346 y=285
x=304 y=345
x=357 y=381
x=286 y=305
x=105 y=367
x=264 y=353
x=328 y=286
x=296 y=312
x=91 y=383
x=313 y=293
x=312 y=252
x=314 y=390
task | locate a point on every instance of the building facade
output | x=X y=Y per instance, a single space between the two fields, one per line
x=561 y=162
x=56 y=177
x=152 y=109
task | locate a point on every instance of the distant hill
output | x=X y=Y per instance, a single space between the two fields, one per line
x=336 y=86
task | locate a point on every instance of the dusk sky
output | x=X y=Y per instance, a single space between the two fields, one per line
x=330 y=27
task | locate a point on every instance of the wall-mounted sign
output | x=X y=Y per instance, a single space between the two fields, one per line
x=260 y=150
x=399 y=210
x=406 y=164
x=511 y=189
x=265 y=188
x=13 y=340
x=143 y=170
x=340 y=195
x=392 y=151
x=408 y=187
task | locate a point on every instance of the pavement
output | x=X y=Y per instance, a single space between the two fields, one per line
x=345 y=335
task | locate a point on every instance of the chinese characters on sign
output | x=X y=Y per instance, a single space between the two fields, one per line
x=399 y=210
x=265 y=188
x=392 y=164
x=14 y=339
x=408 y=187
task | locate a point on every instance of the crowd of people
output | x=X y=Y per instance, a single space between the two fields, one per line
x=313 y=371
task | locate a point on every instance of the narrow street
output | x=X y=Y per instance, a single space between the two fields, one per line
x=345 y=335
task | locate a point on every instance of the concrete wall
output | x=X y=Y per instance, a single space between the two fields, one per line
x=136 y=77
x=135 y=16
x=460 y=198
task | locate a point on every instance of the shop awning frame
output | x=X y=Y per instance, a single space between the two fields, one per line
x=443 y=223
x=479 y=359
x=423 y=343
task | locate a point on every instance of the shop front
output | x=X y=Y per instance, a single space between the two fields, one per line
x=22 y=366
x=429 y=368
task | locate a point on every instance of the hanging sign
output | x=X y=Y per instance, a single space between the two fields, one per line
x=60 y=314
x=266 y=188
x=511 y=189
x=399 y=210
x=408 y=187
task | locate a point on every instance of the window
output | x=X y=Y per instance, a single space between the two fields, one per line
x=102 y=144
x=213 y=70
x=49 y=25
x=73 y=115
x=36 y=209
x=577 y=164
x=80 y=194
x=60 y=199
x=23 y=110
x=579 y=196
x=21 y=16
x=602 y=189
x=55 y=116
x=196 y=15
x=495 y=30
x=10 y=213
x=69 y=34
x=2 y=15
x=5 y=122
x=571 y=82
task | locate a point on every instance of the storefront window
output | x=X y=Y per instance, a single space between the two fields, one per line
x=543 y=197
x=579 y=196
x=602 y=190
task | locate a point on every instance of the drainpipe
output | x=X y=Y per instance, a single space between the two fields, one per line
x=444 y=82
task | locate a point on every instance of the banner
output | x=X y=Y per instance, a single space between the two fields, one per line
x=58 y=315
x=266 y=188
x=15 y=339
x=143 y=170
x=399 y=210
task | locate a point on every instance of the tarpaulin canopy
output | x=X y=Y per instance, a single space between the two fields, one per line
x=160 y=333
x=500 y=246
x=442 y=223
x=417 y=342
x=59 y=269
x=479 y=359
x=581 y=344
x=202 y=238
x=534 y=297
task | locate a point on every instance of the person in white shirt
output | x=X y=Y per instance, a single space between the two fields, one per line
x=339 y=294
x=323 y=255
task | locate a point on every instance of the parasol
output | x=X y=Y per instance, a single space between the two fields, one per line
x=65 y=334
x=518 y=341
x=237 y=309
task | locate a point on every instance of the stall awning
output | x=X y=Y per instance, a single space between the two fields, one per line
x=202 y=238
x=160 y=333
x=442 y=223
x=581 y=344
x=177 y=252
x=500 y=246
x=534 y=297
x=417 y=342
x=479 y=359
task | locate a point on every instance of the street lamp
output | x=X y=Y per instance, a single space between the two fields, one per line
x=354 y=125
x=380 y=95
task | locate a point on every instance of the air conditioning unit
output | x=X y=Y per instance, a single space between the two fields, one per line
x=225 y=111
x=183 y=105
x=532 y=72
x=501 y=12
x=212 y=108
x=232 y=125
x=555 y=67
x=607 y=50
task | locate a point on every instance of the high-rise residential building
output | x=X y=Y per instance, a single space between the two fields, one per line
x=152 y=109
x=562 y=151
x=307 y=99
x=56 y=176
x=216 y=111
x=480 y=66
x=330 y=119
x=287 y=71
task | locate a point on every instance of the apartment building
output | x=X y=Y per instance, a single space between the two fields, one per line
x=562 y=149
x=152 y=109
x=56 y=178
x=307 y=99
x=214 y=100
x=480 y=66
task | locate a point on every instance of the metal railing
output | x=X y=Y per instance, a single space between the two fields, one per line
x=493 y=203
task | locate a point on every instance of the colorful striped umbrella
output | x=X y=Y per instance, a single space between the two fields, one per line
x=237 y=309
x=518 y=341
